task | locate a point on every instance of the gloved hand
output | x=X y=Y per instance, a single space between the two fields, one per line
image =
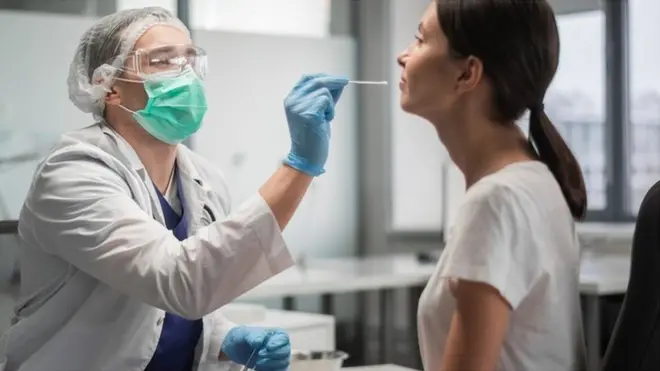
x=309 y=109
x=273 y=350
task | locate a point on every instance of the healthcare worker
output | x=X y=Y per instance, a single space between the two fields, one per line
x=128 y=244
x=504 y=295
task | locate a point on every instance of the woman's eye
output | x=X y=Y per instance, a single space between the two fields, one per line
x=418 y=38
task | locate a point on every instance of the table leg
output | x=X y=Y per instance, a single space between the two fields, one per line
x=289 y=303
x=592 y=330
x=414 y=293
x=386 y=324
x=327 y=304
x=364 y=320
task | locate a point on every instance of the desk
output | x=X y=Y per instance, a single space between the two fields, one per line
x=383 y=274
x=604 y=274
x=320 y=276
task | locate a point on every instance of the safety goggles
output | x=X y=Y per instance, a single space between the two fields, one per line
x=168 y=59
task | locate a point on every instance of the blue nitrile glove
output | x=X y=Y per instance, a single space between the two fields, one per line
x=273 y=350
x=309 y=109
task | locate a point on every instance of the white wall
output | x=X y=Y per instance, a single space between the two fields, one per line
x=246 y=132
x=418 y=158
x=644 y=53
x=34 y=103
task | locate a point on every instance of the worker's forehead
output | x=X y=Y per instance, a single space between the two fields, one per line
x=161 y=35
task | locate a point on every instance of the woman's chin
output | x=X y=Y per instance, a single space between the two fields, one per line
x=405 y=103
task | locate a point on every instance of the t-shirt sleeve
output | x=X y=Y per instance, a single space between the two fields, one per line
x=492 y=243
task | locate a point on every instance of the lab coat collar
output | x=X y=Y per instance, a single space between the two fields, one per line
x=184 y=163
x=187 y=168
x=195 y=190
x=124 y=148
x=194 y=187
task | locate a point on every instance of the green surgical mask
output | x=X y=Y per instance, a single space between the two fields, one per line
x=175 y=108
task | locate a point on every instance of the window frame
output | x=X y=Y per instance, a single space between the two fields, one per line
x=617 y=118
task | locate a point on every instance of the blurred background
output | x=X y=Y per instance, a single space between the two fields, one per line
x=367 y=235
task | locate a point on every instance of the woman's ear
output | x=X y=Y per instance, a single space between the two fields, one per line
x=470 y=74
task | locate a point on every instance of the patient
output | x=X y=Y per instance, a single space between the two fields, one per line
x=505 y=294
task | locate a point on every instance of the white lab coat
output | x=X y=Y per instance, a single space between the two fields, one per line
x=99 y=269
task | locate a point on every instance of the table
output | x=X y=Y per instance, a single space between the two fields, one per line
x=320 y=277
x=382 y=274
x=601 y=274
x=379 y=368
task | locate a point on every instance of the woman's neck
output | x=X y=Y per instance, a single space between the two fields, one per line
x=481 y=150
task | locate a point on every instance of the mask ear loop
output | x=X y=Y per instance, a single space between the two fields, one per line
x=129 y=80
x=103 y=75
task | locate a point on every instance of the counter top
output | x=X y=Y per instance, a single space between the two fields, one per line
x=601 y=274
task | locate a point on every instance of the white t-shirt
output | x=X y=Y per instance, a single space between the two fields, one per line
x=514 y=232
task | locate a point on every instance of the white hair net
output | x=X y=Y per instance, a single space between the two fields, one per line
x=102 y=51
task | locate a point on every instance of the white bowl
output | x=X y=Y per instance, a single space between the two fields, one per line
x=306 y=360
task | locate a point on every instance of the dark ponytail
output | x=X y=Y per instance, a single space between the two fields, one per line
x=554 y=152
x=518 y=45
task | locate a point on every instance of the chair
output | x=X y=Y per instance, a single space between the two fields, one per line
x=635 y=341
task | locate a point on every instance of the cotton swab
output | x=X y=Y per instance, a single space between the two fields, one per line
x=358 y=82
x=245 y=368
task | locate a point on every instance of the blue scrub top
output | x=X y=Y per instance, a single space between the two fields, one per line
x=176 y=347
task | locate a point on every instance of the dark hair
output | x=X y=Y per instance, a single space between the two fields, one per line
x=518 y=44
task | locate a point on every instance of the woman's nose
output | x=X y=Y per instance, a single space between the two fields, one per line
x=401 y=59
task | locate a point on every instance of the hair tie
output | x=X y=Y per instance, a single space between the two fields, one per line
x=537 y=107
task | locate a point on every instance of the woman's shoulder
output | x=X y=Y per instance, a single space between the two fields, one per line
x=528 y=187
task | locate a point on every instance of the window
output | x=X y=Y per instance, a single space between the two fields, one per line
x=133 y=4
x=576 y=99
x=644 y=80
x=286 y=17
x=283 y=17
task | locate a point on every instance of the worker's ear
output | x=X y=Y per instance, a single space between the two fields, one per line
x=112 y=97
